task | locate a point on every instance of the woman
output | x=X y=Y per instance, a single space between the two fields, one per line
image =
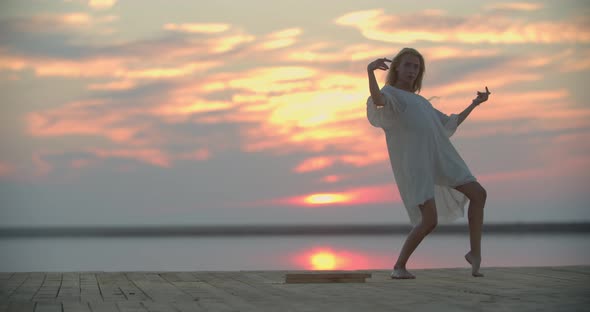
x=433 y=180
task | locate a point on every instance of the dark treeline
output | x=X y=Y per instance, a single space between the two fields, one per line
x=279 y=230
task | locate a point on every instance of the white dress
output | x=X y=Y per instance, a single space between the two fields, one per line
x=425 y=164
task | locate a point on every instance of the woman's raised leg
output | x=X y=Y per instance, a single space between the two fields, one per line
x=477 y=199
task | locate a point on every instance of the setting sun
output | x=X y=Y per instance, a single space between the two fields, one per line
x=323 y=260
x=318 y=199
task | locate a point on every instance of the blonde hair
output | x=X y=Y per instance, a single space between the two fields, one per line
x=392 y=74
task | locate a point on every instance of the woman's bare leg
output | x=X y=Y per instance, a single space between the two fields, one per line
x=477 y=198
x=428 y=223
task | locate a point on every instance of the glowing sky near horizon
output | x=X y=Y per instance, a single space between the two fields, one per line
x=191 y=112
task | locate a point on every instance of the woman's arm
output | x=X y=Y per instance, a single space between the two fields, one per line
x=466 y=112
x=481 y=97
x=373 y=85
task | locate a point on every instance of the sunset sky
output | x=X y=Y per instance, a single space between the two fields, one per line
x=253 y=112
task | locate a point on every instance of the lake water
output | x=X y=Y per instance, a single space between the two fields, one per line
x=283 y=252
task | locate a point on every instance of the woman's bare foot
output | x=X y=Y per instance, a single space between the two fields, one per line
x=475 y=263
x=401 y=273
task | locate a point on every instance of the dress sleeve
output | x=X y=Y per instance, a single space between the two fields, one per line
x=450 y=123
x=383 y=117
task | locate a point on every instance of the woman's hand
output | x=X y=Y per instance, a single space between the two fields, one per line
x=481 y=97
x=378 y=64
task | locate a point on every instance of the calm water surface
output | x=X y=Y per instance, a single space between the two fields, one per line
x=282 y=252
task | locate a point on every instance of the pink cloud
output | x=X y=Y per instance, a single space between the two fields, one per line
x=280 y=108
x=149 y=156
x=332 y=178
x=6 y=169
x=198 y=155
x=78 y=119
x=41 y=166
x=567 y=166
x=438 y=26
x=80 y=163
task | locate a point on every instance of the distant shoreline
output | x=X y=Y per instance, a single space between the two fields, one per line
x=279 y=230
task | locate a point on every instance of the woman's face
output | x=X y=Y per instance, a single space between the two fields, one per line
x=408 y=69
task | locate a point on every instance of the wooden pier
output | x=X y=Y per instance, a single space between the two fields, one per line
x=563 y=288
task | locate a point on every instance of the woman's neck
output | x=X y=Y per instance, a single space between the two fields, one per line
x=403 y=85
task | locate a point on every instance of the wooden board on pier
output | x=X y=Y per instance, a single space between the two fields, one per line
x=349 y=277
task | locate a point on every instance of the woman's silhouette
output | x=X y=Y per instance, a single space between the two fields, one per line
x=433 y=180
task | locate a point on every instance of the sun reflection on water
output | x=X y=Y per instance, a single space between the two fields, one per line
x=326 y=258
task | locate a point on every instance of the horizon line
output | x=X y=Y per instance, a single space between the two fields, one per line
x=280 y=230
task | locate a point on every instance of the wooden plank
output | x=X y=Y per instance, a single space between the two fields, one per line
x=157 y=288
x=48 y=291
x=48 y=307
x=503 y=289
x=216 y=294
x=326 y=277
x=89 y=288
x=4 y=276
x=28 y=287
x=131 y=307
x=70 y=288
x=76 y=307
x=7 y=287
x=188 y=307
x=158 y=306
x=103 y=306
x=109 y=288
x=21 y=306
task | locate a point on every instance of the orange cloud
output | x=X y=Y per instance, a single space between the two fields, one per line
x=183 y=103
x=114 y=85
x=516 y=6
x=280 y=39
x=228 y=42
x=313 y=164
x=446 y=52
x=316 y=52
x=166 y=72
x=78 y=118
x=99 y=67
x=272 y=79
x=440 y=27
x=75 y=19
x=283 y=108
x=201 y=28
x=101 y=4
x=13 y=63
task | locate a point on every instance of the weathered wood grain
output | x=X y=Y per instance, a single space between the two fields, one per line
x=562 y=288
